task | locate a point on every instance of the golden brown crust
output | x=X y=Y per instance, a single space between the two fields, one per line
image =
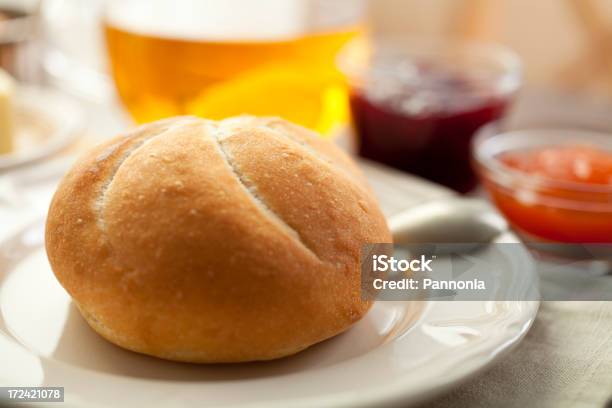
x=203 y=241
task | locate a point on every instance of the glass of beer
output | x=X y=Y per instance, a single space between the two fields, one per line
x=219 y=58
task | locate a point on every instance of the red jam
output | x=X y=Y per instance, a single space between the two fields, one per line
x=425 y=128
x=573 y=201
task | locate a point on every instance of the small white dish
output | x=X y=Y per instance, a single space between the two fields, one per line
x=401 y=353
x=45 y=123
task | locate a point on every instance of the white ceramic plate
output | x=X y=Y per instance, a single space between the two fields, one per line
x=46 y=122
x=400 y=353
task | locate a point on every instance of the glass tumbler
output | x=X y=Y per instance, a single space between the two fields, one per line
x=219 y=58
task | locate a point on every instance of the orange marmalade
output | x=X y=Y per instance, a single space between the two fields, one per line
x=561 y=194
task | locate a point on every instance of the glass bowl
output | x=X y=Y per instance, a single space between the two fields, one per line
x=572 y=219
x=417 y=103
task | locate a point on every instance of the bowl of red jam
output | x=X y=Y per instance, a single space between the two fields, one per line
x=417 y=105
x=553 y=186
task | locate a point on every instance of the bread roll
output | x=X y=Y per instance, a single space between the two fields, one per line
x=203 y=241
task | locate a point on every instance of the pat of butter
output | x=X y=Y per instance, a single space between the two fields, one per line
x=7 y=90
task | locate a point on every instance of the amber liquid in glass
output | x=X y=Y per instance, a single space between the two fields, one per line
x=294 y=77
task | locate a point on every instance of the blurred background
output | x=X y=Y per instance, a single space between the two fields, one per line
x=132 y=61
x=564 y=44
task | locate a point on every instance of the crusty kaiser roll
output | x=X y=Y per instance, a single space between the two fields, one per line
x=202 y=241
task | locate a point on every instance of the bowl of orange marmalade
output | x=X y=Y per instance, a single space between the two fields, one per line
x=553 y=186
